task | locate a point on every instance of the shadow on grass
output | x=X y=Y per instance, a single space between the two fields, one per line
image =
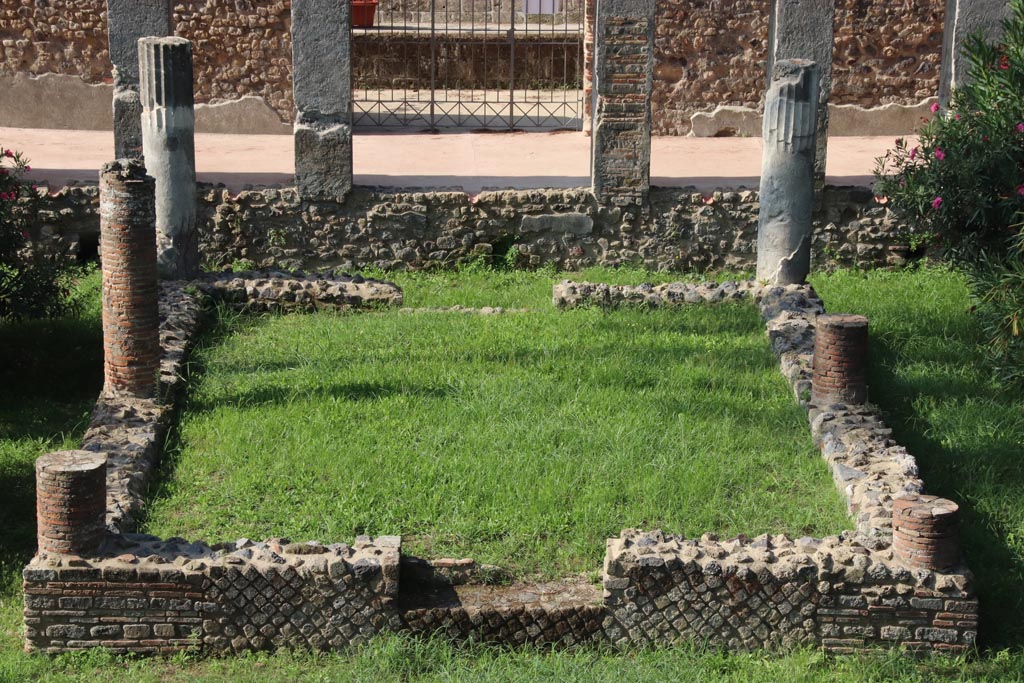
x=967 y=437
x=52 y=374
x=283 y=394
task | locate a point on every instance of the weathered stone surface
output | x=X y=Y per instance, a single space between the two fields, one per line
x=623 y=72
x=574 y=223
x=322 y=85
x=168 y=143
x=803 y=29
x=787 y=173
x=127 y=22
x=410 y=230
x=965 y=18
x=279 y=291
x=323 y=159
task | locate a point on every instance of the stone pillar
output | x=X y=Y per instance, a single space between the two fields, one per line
x=965 y=18
x=71 y=502
x=589 y=15
x=131 y=318
x=840 y=372
x=322 y=83
x=127 y=21
x=787 y=173
x=925 y=532
x=623 y=80
x=804 y=29
x=168 y=142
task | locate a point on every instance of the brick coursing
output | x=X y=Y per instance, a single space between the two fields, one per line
x=70 y=501
x=622 y=118
x=840 y=360
x=926 y=532
x=131 y=321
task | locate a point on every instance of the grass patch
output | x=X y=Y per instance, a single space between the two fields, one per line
x=522 y=440
x=965 y=432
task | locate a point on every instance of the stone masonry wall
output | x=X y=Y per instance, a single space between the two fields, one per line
x=845 y=593
x=708 y=52
x=685 y=230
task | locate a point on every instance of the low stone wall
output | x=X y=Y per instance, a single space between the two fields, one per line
x=845 y=593
x=410 y=230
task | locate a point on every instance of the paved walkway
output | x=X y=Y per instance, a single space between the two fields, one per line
x=466 y=161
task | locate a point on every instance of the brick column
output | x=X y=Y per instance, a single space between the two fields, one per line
x=840 y=360
x=322 y=87
x=131 y=317
x=71 y=502
x=623 y=79
x=926 y=532
x=127 y=21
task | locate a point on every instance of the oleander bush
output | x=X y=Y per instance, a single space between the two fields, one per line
x=34 y=281
x=963 y=182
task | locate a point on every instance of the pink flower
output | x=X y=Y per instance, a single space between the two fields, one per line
x=9 y=154
x=937 y=202
x=1020 y=190
x=28 y=168
x=1020 y=127
x=935 y=107
x=913 y=154
x=939 y=154
x=24 y=234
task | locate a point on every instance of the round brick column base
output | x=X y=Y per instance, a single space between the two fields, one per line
x=926 y=532
x=840 y=360
x=71 y=502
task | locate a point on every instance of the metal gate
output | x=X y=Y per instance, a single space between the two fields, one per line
x=472 y=64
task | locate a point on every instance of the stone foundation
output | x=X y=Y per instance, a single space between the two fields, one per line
x=893 y=581
x=411 y=230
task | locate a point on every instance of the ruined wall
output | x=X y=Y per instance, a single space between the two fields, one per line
x=685 y=230
x=709 y=52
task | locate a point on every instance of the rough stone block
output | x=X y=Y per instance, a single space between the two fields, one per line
x=321 y=58
x=323 y=160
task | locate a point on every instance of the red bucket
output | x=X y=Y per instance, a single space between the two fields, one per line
x=362 y=13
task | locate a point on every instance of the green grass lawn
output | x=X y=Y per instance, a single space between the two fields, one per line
x=523 y=440
x=927 y=376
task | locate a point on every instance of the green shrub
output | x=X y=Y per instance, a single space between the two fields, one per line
x=34 y=282
x=963 y=184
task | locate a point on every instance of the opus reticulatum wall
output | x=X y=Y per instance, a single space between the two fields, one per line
x=896 y=579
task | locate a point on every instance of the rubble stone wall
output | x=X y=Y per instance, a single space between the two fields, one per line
x=685 y=229
x=708 y=52
x=845 y=593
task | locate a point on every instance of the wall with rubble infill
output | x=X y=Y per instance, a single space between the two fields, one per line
x=872 y=586
x=708 y=54
x=685 y=230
